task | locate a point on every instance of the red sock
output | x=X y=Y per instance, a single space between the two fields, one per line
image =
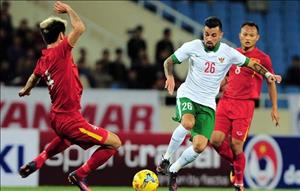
x=225 y=151
x=57 y=145
x=99 y=157
x=239 y=167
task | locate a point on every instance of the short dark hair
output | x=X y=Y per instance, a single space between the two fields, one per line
x=119 y=51
x=251 y=24
x=167 y=31
x=212 y=22
x=52 y=29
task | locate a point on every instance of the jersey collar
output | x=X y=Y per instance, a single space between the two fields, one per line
x=216 y=48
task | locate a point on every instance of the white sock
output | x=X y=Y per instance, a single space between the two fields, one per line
x=188 y=156
x=176 y=140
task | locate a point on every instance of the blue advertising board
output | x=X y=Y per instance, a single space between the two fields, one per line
x=272 y=162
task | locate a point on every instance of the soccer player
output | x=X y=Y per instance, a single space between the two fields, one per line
x=235 y=109
x=209 y=62
x=57 y=68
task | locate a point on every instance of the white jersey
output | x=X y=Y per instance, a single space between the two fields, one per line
x=206 y=70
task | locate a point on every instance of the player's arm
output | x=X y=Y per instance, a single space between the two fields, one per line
x=78 y=26
x=177 y=57
x=252 y=64
x=273 y=97
x=168 y=69
x=31 y=82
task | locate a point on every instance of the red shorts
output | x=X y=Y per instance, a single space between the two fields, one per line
x=233 y=117
x=74 y=128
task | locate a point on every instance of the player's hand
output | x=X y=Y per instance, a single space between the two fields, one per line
x=170 y=84
x=275 y=117
x=60 y=7
x=24 y=92
x=274 y=78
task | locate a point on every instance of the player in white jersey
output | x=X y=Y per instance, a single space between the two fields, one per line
x=209 y=61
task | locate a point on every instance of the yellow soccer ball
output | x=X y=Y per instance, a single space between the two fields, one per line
x=145 y=180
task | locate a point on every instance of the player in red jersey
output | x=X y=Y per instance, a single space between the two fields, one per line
x=57 y=68
x=236 y=106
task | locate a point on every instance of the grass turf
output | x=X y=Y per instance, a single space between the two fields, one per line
x=72 y=188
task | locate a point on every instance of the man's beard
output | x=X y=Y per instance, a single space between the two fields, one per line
x=210 y=47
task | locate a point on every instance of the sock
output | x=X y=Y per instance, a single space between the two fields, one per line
x=188 y=156
x=176 y=140
x=99 y=157
x=57 y=145
x=225 y=151
x=239 y=167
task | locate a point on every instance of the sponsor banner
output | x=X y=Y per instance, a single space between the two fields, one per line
x=116 y=110
x=139 y=151
x=294 y=107
x=17 y=147
x=272 y=162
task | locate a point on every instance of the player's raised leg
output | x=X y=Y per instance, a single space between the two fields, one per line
x=56 y=146
x=186 y=117
x=188 y=156
x=109 y=143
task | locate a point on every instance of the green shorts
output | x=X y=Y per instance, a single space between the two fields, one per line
x=204 y=116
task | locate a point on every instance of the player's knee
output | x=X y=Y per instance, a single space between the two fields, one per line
x=117 y=143
x=188 y=124
x=215 y=141
x=237 y=147
x=199 y=147
x=113 y=141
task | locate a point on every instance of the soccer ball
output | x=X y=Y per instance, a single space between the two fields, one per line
x=145 y=180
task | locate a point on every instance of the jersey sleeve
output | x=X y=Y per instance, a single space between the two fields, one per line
x=238 y=58
x=38 y=70
x=268 y=64
x=182 y=53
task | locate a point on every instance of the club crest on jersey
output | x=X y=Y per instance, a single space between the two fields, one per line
x=221 y=59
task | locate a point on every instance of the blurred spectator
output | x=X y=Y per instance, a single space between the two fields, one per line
x=15 y=52
x=6 y=30
x=24 y=68
x=160 y=80
x=102 y=77
x=146 y=73
x=25 y=33
x=164 y=48
x=117 y=70
x=104 y=60
x=85 y=74
x=292 y=76
x=132 y=80
x=136 y=44
x=5 y=20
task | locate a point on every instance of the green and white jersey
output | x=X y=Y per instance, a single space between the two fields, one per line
x=206 y=70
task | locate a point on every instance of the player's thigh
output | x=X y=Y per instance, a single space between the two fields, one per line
x=223 y=122
x=241 y=125
x=188 y=121
x=84 y=134
x=205 y=122
x=185 y=112
x=240 y=128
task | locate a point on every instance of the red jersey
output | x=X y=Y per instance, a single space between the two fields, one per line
x=57 y=68
x=244 y=83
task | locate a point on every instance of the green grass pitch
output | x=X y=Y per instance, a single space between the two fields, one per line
x=70 y=188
